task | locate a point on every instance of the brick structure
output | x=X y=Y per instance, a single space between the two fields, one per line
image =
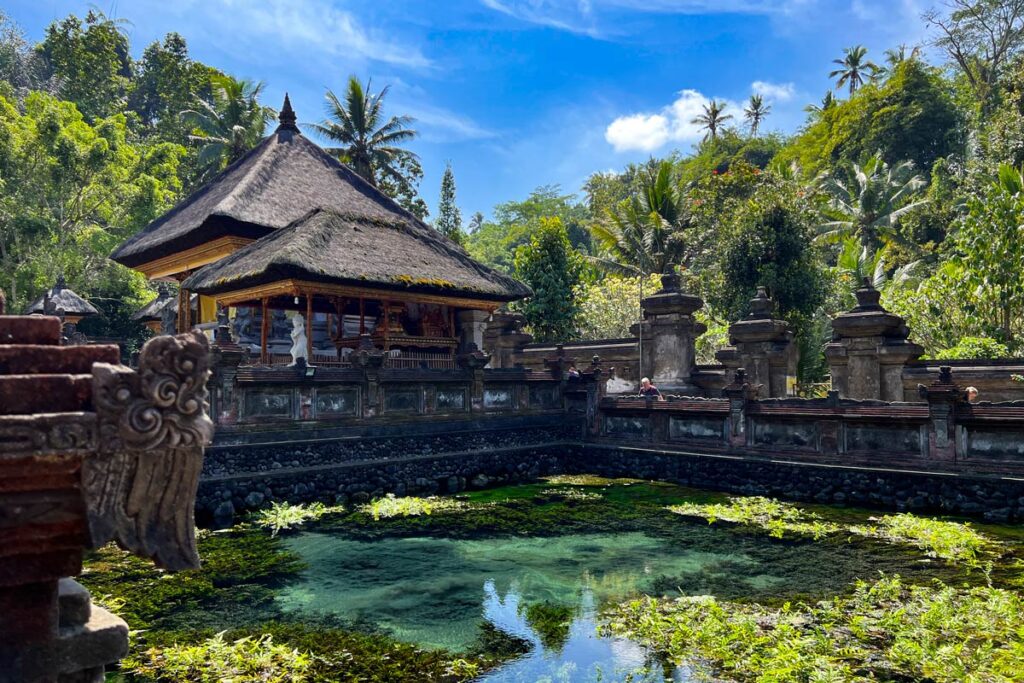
x=90 y=451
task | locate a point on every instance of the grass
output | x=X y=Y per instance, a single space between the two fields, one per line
x=954 y=542
x=884 y=630
x=245 y=660
x=288 y=516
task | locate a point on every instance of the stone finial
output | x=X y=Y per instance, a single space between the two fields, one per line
x=761 y=305
x=161 y=290
x=287 y=116
x=868 y=297
x=60 y=285
x=670 y=281
x=945 y=375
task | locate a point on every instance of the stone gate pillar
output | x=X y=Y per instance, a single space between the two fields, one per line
x=869 y=349
x=764 y=347
x=471 y=324
x=669 y=331
x=504 y=338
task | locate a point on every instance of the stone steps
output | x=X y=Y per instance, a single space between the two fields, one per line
x=45 y=393
x=32 y=359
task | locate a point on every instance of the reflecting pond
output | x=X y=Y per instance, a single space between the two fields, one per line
x=436 y=581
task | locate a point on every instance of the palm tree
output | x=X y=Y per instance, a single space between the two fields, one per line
x=368 y=143
x=902 y=53
x=642 y=235
x=827 y=102
x=853 y=68
x=870 y=201
x=755 y=112
x=857 y=263
x=230 y=124
x=712 y=118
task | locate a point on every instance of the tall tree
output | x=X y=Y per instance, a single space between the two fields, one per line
x=91 y=61
x=552 y=269
x=449 y=217
x=167 y=82
x=854 y=68
x=990 y=244
x=755 y=112
x=230 y=124
x=712 y=119
x=20 y=65
x=980 y=36
x=643 y=235
x=475 y=221
x=869 y=200
x=368 y=142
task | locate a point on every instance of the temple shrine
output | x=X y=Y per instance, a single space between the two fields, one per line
x=313 y=261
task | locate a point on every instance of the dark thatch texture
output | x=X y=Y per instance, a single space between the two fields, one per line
x=154 y=309
x=278 y=182
x=335 y=247
x=64 y=300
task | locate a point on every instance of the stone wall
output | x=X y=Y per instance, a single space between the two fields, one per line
x=238 y=479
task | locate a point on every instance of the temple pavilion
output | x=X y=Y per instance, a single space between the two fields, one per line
x=288 y=231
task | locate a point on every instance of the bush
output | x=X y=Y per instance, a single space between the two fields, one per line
x=258 y=660
x=974 y=347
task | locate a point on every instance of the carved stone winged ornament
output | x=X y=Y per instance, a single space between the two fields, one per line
x=140 y=484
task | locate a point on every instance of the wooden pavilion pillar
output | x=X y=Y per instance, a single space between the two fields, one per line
x=309 y=327
x=264 y=329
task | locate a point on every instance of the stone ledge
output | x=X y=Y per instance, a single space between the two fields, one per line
x=103 y=639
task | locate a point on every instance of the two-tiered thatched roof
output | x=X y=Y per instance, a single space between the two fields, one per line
x=314 y=219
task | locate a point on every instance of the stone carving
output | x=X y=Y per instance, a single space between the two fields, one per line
x=153 y=425
x=299 y=341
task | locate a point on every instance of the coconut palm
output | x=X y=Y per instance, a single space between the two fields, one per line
x=368 y=143
x=712 y=119
x=902 y=53
x=827 y=102
x=869 y=201
x=854 y=68
x=643 y=234
x=229 y=124
x=755 y=113
x=857 y=263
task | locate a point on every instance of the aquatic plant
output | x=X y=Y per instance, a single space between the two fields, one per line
x=570 y=494
x=245 y=660
x=287 y=516
x=884 y=630
x=775 y=517
x=587 y=480
x=950 y=541
x=954 y=542
x=409 y=506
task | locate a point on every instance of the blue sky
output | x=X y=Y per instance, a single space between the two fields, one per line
x=522 y=93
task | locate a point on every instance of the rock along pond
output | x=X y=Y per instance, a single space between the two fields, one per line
x=510 y=584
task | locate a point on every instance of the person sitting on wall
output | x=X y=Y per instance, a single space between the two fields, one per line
x=648 y=390
x=972 y=394
x=572 y=372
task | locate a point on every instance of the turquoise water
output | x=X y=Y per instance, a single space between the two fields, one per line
x=437 y=590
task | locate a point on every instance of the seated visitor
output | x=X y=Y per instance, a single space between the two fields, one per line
x=572 y=373
x=972 y=394
x=648 y=389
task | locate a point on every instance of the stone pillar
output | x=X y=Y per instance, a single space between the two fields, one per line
x=669 y=331
x=764 y=347
x=475 y=361
x=225 y=358
x=738 y=392
x=504 y=338
x=942 y=396
x=370 y=359
x=869 y=349
x=471 y=324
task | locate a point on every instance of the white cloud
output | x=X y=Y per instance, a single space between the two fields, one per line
x=674 y=123
x=438 y=124
x=638 y=131
x=777 y=92
x=573 y=16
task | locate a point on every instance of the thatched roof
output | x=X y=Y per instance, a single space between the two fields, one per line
x=389 y=252
x=154 y=309
x=278 y=182
x=64 y=300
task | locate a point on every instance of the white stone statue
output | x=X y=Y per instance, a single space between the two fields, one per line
x=299 y=347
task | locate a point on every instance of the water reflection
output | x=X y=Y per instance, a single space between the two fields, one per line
x=583 y=656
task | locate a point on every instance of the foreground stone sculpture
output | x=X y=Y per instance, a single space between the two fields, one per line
x=90 y=451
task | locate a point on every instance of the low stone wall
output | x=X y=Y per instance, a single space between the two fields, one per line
x=238 y=479
x=994 y=379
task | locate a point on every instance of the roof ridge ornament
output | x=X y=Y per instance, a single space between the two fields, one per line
x=287 y=116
